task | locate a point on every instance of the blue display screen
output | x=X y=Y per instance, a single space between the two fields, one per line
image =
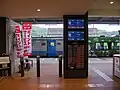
x=76 y=23
x=75 y=35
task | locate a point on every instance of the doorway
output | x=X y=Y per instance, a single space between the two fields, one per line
x=51 y=48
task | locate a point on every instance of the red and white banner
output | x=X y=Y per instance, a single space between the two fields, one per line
x=19 y=45
x=26 y=28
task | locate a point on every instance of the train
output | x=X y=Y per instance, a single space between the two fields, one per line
x=103 y=46
x=47 y=46
x=97 y=46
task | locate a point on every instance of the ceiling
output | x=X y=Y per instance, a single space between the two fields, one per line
x=104 y=8
x=49 y=8
x=105 y=5
x=57 y=8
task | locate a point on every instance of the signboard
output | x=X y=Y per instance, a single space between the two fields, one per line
x=26 y=27
x=19 y=45
x=75 y=35
x=117 y=64
x=76 y=56
x=4 y=60
x=76 y=23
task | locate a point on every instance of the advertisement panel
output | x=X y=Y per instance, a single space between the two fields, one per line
x=19 y=45
x=26 y=28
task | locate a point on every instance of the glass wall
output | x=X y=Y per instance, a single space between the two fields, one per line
x=107 y=30
x=47 y=30
x=104 y=39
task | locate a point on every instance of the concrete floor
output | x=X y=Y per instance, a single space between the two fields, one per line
x=100 y=78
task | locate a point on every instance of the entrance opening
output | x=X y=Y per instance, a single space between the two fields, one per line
x=103 y=43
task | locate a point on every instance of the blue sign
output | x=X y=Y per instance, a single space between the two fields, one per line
x=76 y=23
x=75 y=35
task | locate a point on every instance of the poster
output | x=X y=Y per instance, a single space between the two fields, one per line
x=19 y=45
x=26 y=28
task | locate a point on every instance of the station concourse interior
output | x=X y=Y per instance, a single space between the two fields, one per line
x=73 y=45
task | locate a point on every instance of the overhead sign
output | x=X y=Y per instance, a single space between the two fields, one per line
x=26 y=28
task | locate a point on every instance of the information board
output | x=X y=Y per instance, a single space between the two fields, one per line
x=76 y=23
x=75 y=35
x=76 y=46
x=76 y=56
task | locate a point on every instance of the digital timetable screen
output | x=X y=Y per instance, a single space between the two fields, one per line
x=75 y=35
x=76 y=23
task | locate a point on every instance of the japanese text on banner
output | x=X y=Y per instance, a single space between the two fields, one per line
x=19 y=45
x=27 y=38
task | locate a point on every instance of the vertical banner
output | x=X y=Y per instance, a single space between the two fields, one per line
x=19 y=45
x=26 y=28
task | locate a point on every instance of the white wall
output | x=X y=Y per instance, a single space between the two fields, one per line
x=10 y=42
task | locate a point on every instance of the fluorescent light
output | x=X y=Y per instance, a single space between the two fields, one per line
x=111 y=2
x=38 y=10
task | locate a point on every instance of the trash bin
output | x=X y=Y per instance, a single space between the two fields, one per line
x=116 y=65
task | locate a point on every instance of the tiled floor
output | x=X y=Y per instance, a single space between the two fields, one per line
x=49 y=79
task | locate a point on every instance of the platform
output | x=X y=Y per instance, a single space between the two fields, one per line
x=100 y=78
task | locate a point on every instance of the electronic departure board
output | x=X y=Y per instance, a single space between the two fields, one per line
x=75 y=23
x=76 y=56
x=75 y=35
x=76 y=46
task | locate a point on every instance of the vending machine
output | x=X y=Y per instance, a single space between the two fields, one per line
x=76 y=46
